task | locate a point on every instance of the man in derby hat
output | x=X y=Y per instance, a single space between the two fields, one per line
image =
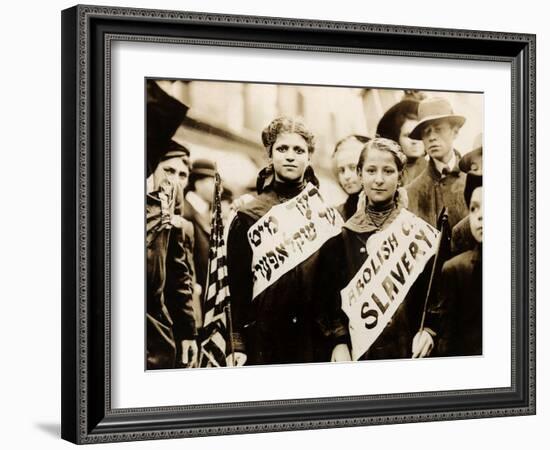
x=441 y=184
x=198 y=207
x=171 y=317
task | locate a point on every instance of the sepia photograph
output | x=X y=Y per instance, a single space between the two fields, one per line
x=277 y=223
x=290 y=224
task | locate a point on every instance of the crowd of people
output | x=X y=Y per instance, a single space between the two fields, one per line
x=393 y=272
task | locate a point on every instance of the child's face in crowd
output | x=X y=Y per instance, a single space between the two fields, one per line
x=476 y=214
x=346 y=159
x=412 y=148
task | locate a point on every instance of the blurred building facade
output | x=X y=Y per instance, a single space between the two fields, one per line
x=225 y=121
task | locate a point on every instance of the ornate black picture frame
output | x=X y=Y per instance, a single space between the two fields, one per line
x=87 y=35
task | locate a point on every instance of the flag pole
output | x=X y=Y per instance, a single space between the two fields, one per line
x=231 y=340
x=205 y=297
x=228 y=306
x=207 y=285
x=217 y=241
x=444 y=219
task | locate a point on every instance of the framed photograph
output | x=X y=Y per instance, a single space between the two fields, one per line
x=283 y=224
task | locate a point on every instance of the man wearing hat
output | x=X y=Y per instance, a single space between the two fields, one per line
x=198 y=206
x=171 y=322
x=441 y=184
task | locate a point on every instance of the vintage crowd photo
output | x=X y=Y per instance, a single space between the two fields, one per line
x=291 y=224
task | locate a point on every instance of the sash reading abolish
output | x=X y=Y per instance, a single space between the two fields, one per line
x=396 y=257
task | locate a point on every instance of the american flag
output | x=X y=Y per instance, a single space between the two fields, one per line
x=217 y=302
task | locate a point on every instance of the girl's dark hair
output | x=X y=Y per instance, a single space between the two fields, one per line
x=391 y=122
x=282 y=125
x=358 y=137
x=383 y=144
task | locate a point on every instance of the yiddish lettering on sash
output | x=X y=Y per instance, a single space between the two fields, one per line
x=288 y=234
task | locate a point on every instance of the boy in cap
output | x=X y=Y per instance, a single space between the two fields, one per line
x=198 y=208
x=460 y=296
x=461 y=236
x=441 y=184
x=171 y=321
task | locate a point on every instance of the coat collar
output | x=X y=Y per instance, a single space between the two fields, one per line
x=436 y=175
x=452 y=164
x=260 y=205
x=361 y=222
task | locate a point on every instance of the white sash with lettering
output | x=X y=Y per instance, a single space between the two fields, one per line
x=396 y=257
x=289 y=234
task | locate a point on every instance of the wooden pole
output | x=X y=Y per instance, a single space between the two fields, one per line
x=444 y=219
x=231 y=341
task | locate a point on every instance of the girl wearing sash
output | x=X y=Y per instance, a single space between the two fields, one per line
x=272 y=255
x=374 y=273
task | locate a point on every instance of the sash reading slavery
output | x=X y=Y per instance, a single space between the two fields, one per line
x=288 y=234
x=396 y=257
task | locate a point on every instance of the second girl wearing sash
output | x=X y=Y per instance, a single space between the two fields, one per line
x=380 y=168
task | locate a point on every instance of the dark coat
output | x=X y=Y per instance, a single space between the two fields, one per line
x=283 y=323
x=342 y=257
x=201 y=231
x=429 y=193
x=459 y=308
x=170 y=276
x=348 y=208
x=461 y=237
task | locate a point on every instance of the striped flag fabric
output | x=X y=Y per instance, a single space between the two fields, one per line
x=216 y=324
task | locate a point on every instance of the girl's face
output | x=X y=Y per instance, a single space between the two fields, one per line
x=379 y=176
x=346 y=159
x=412 y=148
x=290 y=157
